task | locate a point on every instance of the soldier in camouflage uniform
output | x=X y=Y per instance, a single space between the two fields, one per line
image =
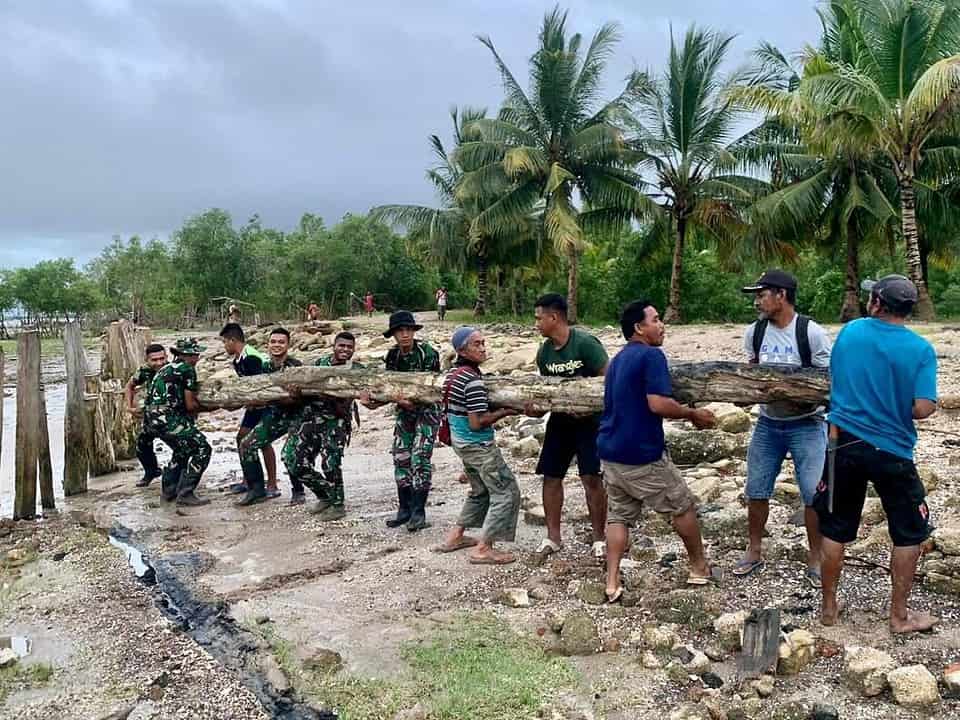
x=168 y=414
x=415 y=432
x=323 y=429
x=156 y=357
x=273 y=425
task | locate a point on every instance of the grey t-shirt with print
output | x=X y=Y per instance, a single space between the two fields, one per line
x=780 y=347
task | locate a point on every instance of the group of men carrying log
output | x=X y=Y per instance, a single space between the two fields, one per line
x=883 y=376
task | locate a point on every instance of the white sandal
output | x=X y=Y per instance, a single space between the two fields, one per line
x=600 y=549
x=548 y=547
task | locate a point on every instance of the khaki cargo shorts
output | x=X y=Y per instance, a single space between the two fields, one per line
x=658 y=485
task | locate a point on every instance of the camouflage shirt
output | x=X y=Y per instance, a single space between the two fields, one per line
x=422 y=358
x=143 y=376
x=168 y=387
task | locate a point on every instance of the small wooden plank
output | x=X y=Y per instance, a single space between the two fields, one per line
x=761 y=644
x=47 y=500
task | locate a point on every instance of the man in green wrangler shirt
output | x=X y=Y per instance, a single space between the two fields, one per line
x=569 y=352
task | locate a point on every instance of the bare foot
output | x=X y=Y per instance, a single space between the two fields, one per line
x=830 y=613
x=914 y=622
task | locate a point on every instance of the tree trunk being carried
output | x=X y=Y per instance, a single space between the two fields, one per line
x=122 y=353
x=694 y=382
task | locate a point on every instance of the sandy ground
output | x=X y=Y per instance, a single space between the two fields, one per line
x=362 y=590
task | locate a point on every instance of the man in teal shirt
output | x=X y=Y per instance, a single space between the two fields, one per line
x=883 y=376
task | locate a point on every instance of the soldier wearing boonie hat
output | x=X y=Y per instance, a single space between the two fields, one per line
x=169 y=411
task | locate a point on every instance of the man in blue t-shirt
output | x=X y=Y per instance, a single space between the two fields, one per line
x=636 y=468
x=883 y=376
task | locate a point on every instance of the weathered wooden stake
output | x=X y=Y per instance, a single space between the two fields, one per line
x=77 y=435
x=47 y=501
x=3 y=380
x=102 y=459
x=122 y=353
x=28 y=425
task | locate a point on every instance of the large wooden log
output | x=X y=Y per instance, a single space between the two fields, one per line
x=696 y=382
x=28 y=425
x=101 y=457
x=77 y=434
x=122 y=353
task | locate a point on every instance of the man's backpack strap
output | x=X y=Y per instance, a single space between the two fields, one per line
x=759 y=330
x=803 y=341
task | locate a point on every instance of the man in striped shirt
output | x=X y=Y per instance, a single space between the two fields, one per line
x=494 y=500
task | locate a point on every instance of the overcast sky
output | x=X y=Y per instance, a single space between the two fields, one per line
x=128 y=116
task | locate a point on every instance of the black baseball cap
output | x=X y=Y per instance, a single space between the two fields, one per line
x=894 y=289
x=772 y=279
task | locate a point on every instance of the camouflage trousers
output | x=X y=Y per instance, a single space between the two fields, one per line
x=324 y=435
x=414 y=435
x=494 y=500
x=273 y=425
x=146 y=453
x=191 y=451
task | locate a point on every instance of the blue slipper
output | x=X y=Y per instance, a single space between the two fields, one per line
x=813 y=577
x=746 y=567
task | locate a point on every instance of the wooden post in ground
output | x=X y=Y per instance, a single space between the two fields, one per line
x=47 y=501
x=101 y=456
x=3 y=379
x=77 y=435
x=28 y=425
x=122 y=353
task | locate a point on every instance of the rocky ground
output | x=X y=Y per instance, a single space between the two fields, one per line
x=329 y=612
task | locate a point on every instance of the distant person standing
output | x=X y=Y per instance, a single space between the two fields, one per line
x=883 y=376
x=441 y=303
x=156 y=358
x=783 y=337
x=233 y=314
x=368 y=304
x=313 y=312
x=569 y=352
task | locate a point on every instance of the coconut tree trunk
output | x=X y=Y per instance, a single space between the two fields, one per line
x=482 y=274
x=573 y=285
x=911 y=236
x=850 y=309
x=672 y=313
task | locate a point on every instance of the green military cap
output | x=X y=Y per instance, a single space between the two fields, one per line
x=188 y=346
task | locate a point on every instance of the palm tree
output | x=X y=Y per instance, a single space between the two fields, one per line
x=898 y=91
x=684 y=126
x=821 y=194
x=448 y=234
x=556 y=145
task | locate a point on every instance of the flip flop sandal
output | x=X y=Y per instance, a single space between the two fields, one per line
x=716 y=575
x=615 y=596
x=813 y=577
x=748 y=567
x=491 y=561
x=461 y=545
x=548 y=547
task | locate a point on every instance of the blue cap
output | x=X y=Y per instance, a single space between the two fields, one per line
x=461 y=335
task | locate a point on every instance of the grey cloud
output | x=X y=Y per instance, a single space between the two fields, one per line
x=124 y=115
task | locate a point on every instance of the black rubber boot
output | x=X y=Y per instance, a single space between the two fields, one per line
x=418 y=513
x=405 y=498
x=191 y=500
x=253 y=476
x=148 y=477
x=170 y=481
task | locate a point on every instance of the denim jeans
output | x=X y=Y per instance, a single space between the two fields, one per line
x=805 y=440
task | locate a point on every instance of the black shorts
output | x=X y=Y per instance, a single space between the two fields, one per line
x=894 y=478
x=251 y=416
x=567 y=436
